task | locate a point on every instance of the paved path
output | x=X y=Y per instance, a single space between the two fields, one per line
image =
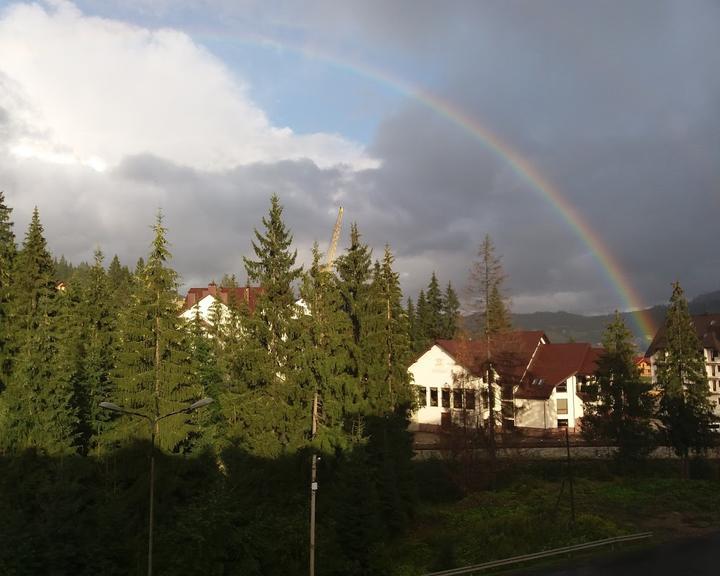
x=691 y=557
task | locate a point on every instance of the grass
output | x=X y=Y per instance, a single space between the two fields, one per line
x=525 y=514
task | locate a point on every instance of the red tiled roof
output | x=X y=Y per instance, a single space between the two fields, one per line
x=555 y=363
x=707 y=328
x=246 y=294
x=509 y=353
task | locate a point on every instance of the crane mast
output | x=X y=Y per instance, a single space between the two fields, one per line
x=334 y=241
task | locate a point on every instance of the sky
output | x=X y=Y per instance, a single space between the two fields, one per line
x=583 y=136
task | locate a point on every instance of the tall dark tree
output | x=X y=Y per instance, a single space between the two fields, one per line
x=685 y=410
x=422 y=313
x=37 y=409
x=486 y=283
x=434 y=328
x=450 y=312
x=8 y=252
x=152 y=373
x=624 y=406
x=411 y=316
x=387 y=343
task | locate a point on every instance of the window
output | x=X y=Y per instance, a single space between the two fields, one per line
x=470 y=399
x=446 y=398
x=562 y=387
x=433 y=396
x=562 y=406
x=457 y=399
x=422 y=396
x=562 y=423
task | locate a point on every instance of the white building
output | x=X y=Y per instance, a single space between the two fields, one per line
x=541 y=382
x=550 y=394
x=201 y=300
x=707 y=327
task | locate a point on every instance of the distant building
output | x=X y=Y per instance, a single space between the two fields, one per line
x=541 y=382
x=201 y=300
x=707 y=327
x=644 y=365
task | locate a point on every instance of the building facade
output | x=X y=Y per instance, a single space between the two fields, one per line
x=536 y=384
x=707 y=327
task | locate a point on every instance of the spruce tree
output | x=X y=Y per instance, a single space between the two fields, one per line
x=623 y=405
x=434 y=319
x=119 y=279
x=96 y=320
x=684 y=409
x=450 y=313
x=205 y=350
x=387 y=344
x=422 y=340
x=325 y=330
x=8 y=252
x=271 y=412
x=37 y=410
x=153 y=373
x=411 y=316
x=354 y=275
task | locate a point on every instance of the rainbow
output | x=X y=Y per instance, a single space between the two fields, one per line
x=522 y=167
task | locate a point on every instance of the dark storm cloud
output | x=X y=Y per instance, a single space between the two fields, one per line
x=614 y=102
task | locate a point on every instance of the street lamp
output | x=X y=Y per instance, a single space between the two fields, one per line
x=153 y=421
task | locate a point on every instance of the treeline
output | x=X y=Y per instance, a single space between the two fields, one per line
x=233 y=485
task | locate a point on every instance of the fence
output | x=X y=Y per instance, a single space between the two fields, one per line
x=544 y=554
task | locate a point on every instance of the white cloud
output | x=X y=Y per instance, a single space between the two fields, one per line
x=91 y=91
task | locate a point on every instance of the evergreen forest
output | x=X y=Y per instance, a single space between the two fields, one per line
x=310 y=394
x=232 y=478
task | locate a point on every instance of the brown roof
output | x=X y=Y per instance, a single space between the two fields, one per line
x=509 y=353
x=707 y=328
x=555 y=363
x=246 y=294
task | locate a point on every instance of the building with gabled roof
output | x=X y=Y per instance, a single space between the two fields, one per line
x=550 y=394
x=201 y=300
x=537 y=384
x=707 y=328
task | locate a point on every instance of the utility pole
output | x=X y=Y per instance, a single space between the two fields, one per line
x=313 y=487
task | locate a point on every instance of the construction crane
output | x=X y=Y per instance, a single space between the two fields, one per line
x=334 y=241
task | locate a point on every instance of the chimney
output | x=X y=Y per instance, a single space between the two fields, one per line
x=212 y=289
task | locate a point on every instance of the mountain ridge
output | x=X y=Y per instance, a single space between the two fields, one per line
x=570 y=327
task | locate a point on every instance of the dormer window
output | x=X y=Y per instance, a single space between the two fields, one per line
x=562 y=387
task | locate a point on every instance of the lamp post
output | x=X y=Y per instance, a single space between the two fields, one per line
x=153 y=421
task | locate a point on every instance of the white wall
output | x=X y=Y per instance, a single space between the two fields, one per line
x=544 y=413
x=204 y=307
x=437 y=370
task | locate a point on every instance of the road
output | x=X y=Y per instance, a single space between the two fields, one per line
x=698 y=556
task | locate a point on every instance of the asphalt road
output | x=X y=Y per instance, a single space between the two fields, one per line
x=690 y=557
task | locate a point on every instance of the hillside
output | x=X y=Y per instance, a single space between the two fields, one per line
x=566 y=327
